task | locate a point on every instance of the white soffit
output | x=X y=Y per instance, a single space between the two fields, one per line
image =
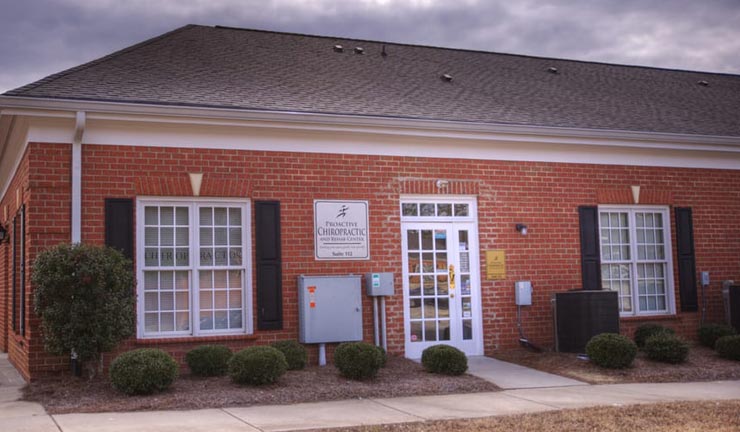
x=150 y=125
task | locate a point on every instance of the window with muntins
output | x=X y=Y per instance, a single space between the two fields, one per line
x=636 y=258
x=193 y=268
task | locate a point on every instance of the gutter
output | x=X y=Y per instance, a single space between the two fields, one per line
x=18 y=105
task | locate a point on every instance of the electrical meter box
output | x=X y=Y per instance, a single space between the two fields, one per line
x=329 y=309
x=523 y=293
x=379 y=284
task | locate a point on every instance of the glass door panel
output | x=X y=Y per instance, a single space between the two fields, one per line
x=466 y=298
x=427 y=280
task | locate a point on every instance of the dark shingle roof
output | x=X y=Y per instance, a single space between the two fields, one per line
x=252 y=69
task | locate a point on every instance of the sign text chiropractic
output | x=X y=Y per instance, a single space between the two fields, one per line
x=341 y=230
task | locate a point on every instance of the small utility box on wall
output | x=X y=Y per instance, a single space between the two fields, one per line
x=379 y=284
x=329 y=308
x=523 y=293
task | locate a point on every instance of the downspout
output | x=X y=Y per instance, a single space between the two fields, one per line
x=77 y=177
x=76 y=227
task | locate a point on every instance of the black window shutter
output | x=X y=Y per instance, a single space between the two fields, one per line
x=686 y=259
x=119 y=225
x=588 y=217
x=269 y=265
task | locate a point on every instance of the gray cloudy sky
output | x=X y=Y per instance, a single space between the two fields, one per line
x=40 y=37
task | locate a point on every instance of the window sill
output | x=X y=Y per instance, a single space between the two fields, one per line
x=672 y=317
x=199 y=339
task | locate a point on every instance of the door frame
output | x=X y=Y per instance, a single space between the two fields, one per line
x=452 y=223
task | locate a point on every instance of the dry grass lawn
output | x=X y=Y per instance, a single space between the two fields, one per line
x=703 y=364
x=666 y=417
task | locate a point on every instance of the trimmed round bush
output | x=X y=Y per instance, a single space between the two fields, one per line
x=295 y=353
x=209 y=360
x=357 y=360
x=257 y=365
x=645 y=331
x=728 y=347
x=667 y=348
x=383 y=356
x=611 y=350
x=444 y=359
x=709 y=333
x=143 y=371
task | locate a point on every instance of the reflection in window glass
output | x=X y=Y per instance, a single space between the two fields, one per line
x=426 y=209
x=444 y=210
x=410 y=209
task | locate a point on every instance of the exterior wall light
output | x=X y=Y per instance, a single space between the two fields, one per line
x=3 y=234
x=522 y=229
x=442 y=183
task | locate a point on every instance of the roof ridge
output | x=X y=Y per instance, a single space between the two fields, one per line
x=55 y=76
x=472 y=50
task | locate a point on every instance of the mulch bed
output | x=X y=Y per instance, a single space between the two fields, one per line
x=703 y=364
x=400 y=377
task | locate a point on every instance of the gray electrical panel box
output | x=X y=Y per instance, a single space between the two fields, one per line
x=379 y=284
x=329 y=309
x=523 y=293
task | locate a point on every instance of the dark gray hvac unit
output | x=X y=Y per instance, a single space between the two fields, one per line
x=732 y=306
x=581 y=315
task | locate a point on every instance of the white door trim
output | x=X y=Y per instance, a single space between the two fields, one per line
x=452 y=224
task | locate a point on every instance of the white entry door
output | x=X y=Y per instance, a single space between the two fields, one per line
x=441 y=283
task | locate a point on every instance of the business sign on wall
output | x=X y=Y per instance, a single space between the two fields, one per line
x=341 y=230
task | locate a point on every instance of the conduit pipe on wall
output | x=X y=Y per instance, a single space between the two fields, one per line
x=76 y=228
x=375 y=321
x=382 y=322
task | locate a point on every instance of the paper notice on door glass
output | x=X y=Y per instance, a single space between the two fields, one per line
x=464 y=262
x=465 y=287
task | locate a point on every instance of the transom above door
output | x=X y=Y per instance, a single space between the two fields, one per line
x=441 y=274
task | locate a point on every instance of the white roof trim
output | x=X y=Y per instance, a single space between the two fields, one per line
x=15 y=105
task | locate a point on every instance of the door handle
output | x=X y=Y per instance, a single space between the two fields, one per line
x=451 y=272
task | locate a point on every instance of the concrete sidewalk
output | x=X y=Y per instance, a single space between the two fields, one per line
x=397 y=410
x=534 y=394
x=513 y=376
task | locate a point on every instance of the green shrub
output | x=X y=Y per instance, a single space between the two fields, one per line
x=645 y=331
x=709 y=333
x=383 y=356
x=294 y=352
x=444 y=359
x=143 y=371
x=84 y=296
x=667 y=348
x=611 y=350
x=729 y=347
x=257 y=365
x=357 y=360
x=209 y=360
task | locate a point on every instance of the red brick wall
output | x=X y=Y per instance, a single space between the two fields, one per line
x=16 y=345
x=545 y=196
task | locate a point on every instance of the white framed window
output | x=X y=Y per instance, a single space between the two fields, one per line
x=193 y=267
x=439 y=208
x=636 y=258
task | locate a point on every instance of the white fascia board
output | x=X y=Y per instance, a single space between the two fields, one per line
x=365 y=124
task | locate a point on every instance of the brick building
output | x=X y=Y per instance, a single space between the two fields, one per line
x=205 y=153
